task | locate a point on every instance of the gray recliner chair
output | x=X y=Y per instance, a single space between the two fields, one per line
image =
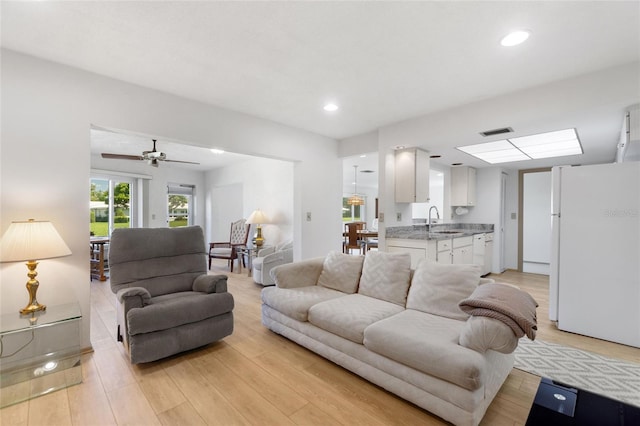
x=166 y=301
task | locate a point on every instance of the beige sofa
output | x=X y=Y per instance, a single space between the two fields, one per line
x=398 y=328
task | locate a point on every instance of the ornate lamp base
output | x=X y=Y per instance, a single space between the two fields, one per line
x=32 y=288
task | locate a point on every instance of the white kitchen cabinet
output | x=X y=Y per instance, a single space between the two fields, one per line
x=411 y=176
x=478 y=249
x=463 y=186
x=462 y=250
x=418 y=249
x=488 y=253
x=444 y=251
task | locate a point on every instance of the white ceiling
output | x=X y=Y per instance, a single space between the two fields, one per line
x=381 y=62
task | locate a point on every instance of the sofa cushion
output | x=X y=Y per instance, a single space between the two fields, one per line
x=348 y=316
x=386 y=276
x=341 y=272
x=428 y=343
x=438 y=288
x=295 y=302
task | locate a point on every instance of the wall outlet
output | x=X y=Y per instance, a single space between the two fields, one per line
x=513 y=216
x=308 y=216
x=153 y=216
x=399 y=216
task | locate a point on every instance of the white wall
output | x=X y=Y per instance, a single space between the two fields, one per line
x=262 y=183
x=47 y=111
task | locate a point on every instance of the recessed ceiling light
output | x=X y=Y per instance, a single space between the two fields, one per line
x=217 y=151
x=515 y=38
x=330 y=107
x=363 y=156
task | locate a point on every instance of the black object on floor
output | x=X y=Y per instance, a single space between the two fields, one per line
x=559 y=404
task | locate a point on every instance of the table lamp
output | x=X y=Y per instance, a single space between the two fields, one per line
x=30 y=241
x=258 y=218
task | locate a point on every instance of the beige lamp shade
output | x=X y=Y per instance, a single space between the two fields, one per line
x=257 y=217
x=32 y=240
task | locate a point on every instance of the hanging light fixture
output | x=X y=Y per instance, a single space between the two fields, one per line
x=355 y=199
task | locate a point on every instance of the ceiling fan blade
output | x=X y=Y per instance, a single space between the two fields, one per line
x=178 y=161
x=121 y=156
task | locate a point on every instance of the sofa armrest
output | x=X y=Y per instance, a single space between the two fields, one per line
x=134 y=297
x=304 y=273
x=266 y=251
x=210 y=284
x=484 y=333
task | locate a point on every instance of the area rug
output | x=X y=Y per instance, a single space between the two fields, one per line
x=605 y=376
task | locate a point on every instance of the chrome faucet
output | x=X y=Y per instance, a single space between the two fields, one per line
x=437 y=214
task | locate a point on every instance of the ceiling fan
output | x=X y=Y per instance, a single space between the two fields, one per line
x=152 y=157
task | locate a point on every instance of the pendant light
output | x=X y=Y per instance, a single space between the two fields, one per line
x=355 y=199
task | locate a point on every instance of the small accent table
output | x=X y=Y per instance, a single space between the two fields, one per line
x=558 y=404
x=97 y=248
x=250 y=251
x=39 y=353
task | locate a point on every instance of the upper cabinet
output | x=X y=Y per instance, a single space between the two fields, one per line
x=463 y=186
x=412 y=176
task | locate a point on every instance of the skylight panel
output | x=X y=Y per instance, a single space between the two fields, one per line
x=544 y=145
x=551 y=144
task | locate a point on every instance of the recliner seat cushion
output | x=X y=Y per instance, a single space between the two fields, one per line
x=176 y=309
x=350 y=315
x=295 y=302
x=428 y=343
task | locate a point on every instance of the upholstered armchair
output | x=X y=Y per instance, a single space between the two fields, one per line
x=166 y=302
x=227 y=249
x=268 y=258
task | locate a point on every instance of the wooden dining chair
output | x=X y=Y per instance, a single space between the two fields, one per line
x=352 y=240
x=227 y=249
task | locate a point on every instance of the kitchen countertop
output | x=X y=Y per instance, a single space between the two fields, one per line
x=421 y=232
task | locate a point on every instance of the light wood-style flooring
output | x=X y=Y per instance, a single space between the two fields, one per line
x=256 y=377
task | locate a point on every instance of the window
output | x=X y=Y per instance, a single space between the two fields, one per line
x=180 y=205
x=352 y=213
x=110 y=205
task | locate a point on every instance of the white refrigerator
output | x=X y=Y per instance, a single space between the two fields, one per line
x=594 y=282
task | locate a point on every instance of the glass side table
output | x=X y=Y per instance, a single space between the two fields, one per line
x=39 y=353
x=250 y=251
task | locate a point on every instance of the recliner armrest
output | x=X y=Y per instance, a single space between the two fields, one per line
x=133 y=297
x=210 y=284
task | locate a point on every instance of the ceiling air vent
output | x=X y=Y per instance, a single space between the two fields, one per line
x=496 y=131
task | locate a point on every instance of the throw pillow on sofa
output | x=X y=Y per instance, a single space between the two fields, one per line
x=341 y=272
x=386 y=276
x=438 y=288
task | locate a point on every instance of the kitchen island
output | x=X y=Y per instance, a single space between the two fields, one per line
x=444 y=243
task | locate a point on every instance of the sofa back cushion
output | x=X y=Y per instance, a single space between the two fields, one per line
x=386 y=276
x=438 y=288
x=341 y=272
